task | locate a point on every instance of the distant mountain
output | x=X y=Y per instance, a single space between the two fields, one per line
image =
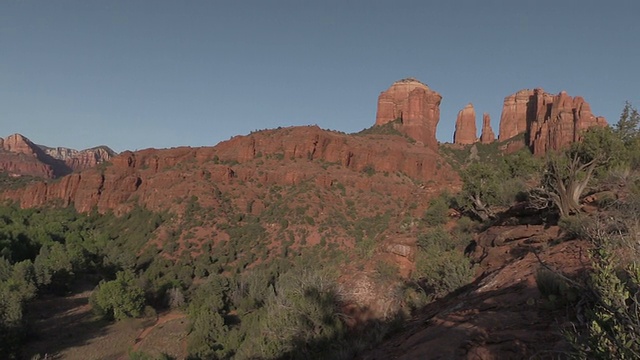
x=19 y=156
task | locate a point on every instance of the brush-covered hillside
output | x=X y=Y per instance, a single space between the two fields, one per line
x=306 y=243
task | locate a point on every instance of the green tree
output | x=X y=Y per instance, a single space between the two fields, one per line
x=436 y=213
x=568 y=174
x=16 y=288
x=120 y=298
x=53 y=267
x=627 y=126
x=206 y=334
x=481 y=187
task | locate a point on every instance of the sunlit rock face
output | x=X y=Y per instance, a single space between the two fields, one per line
x=416 y=105
x=466 y=132
x=549 y=122
x=487 y=136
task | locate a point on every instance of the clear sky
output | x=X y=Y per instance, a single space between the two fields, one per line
x=138 y=74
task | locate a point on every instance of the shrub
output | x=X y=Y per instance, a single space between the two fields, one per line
x=437 y=212
x=554 y=288
x=440 y=267
x=369 y=170
x=435 y=241
x=612 y=329
x=118 y=299
x=387 y=271
x=573 y=226
x=443 y=273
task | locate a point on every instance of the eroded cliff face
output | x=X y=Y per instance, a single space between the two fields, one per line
x=156 y=178
x=549 y=122
x=19 y=156
x=416 y=105
x=80 y=159
x=487 y=136
x=466 y=131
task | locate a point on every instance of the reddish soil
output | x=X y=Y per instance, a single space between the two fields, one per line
x=501 y=315
x=173 y=344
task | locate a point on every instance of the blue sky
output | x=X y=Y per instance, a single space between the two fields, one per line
x=138 y=74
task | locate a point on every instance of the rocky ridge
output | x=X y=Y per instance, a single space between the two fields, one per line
x=20 y=156
x=154 y=178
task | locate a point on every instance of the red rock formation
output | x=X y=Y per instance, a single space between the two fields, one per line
x=417 y=106
x=19 y=144
x=515 y=112
x=466 y=132
x=550 y=122
x=487 y=136
x=80 y=160
x=155 y=178
x=20 y=156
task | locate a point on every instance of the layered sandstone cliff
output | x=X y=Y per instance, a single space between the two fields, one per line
x=466 y=131
x=80 y=159
x=417 y=107
x=487 y=136
x=156 y=178
x=20 y=156
x=548 y=122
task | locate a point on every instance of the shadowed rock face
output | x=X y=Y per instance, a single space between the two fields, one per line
x=549 y=122
x=416 y=105
x=466 y=131
x=20 y=156
x=487 y=136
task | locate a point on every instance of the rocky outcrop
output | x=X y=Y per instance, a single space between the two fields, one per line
x=80 y=159
x=415 y=105
x=155 y=178
x=559 y=122
x=515 y=112
x=487 y=136
x=19 y=156
x=549 y=122
x=466 y=132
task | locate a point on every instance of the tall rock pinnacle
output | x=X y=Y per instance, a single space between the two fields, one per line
x=466 y=132
x=487 y=136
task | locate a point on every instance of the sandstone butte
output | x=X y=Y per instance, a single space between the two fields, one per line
x=549 y=122
x=466 y=132
x=155 y=178
x=20 y=156
x=487 y=136
x=415 y=105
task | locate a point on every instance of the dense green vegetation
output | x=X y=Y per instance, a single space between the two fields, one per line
x=247 y=296
x=9 y=182
x=48 y=250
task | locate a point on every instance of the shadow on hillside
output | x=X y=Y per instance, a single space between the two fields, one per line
x=59 y=323
x=498 y=323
